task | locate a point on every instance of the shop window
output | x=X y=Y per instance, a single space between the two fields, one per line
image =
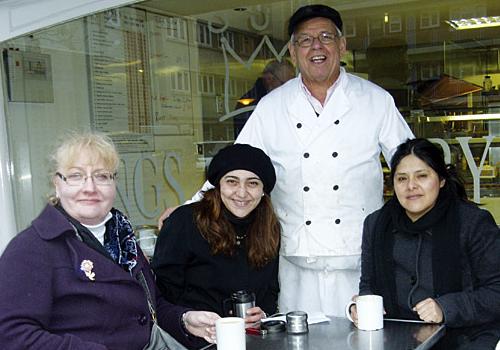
x=375 y=27
x=349 y=28
x=233 y=91
x=229 y=36
x=155 y=77
x=429 y=19
x=203 y=36
x=176 y=28
x=206 y=84
x=219 y=85
x=430 y=71
x=180 y=81
x=247 y=45
x=395 y=23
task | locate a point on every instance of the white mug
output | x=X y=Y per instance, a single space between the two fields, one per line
x=370 y=310
x=230 y=333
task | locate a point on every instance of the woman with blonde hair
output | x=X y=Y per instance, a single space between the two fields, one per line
x=76 y=278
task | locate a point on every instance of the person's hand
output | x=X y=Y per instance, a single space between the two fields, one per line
x=254 y=314
x=201 y=324
x=429 y=311
x=353 y=311
x=165 y=215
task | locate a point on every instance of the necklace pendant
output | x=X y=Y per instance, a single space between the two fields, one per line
x=238 y=242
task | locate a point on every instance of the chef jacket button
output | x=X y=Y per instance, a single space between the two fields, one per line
x=336 y=122
x=306 y=188
x=335 y=154
x=308 y=222
x=299 y=125
x=142 y=319
x=413 y=280
x=306 y=155
x=336 y=187
x=337 y=221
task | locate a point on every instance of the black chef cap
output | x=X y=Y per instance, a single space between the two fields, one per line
x=312 y=11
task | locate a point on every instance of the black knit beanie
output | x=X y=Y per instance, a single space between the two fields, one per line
x=242 y=157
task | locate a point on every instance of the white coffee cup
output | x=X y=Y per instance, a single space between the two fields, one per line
x=370 y=310
x=230 y=333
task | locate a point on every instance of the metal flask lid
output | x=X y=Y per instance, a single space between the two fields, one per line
x=296 y=322
x=242 y=296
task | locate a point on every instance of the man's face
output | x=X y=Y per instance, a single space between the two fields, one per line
x=319 y=63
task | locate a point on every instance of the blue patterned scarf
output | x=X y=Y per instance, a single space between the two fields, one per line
x=119 y=241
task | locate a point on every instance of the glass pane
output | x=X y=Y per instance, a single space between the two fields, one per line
x=172 y=83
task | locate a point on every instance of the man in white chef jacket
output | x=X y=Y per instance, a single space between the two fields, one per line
x=324 y=132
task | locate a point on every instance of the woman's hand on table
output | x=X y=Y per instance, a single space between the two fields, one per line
x=254 y=314
x=429 y=311
x=201 y=324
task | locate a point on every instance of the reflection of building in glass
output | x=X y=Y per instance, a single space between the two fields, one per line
x=166 y=77
x=275 y=74
x=213 y=46
x=411 y=44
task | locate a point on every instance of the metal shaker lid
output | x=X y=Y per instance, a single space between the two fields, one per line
x=296 y=316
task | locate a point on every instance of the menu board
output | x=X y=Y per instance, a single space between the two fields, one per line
x=119 y=78
x=172 y=91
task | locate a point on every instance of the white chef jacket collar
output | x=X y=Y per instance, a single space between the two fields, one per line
x=317 y=106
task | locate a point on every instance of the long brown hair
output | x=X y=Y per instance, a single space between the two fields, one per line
x=263 y=235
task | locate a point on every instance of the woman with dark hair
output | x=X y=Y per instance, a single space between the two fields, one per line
x=227 y=242
x=432 y=254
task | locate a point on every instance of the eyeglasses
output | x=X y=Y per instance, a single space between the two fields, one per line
x=101 y=178
x=306 y=40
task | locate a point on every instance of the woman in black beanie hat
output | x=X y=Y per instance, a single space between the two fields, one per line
x=227 y=242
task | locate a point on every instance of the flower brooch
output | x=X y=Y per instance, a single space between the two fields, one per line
x=86 y=266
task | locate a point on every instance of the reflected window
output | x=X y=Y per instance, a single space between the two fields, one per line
x=349 y=28
x=172 y=82
x=429 y=19
x=395 y=23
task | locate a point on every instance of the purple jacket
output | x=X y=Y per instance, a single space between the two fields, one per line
x=47 y=301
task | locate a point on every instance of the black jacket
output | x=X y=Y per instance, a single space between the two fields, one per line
x=478 y=304
x=189 y=275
